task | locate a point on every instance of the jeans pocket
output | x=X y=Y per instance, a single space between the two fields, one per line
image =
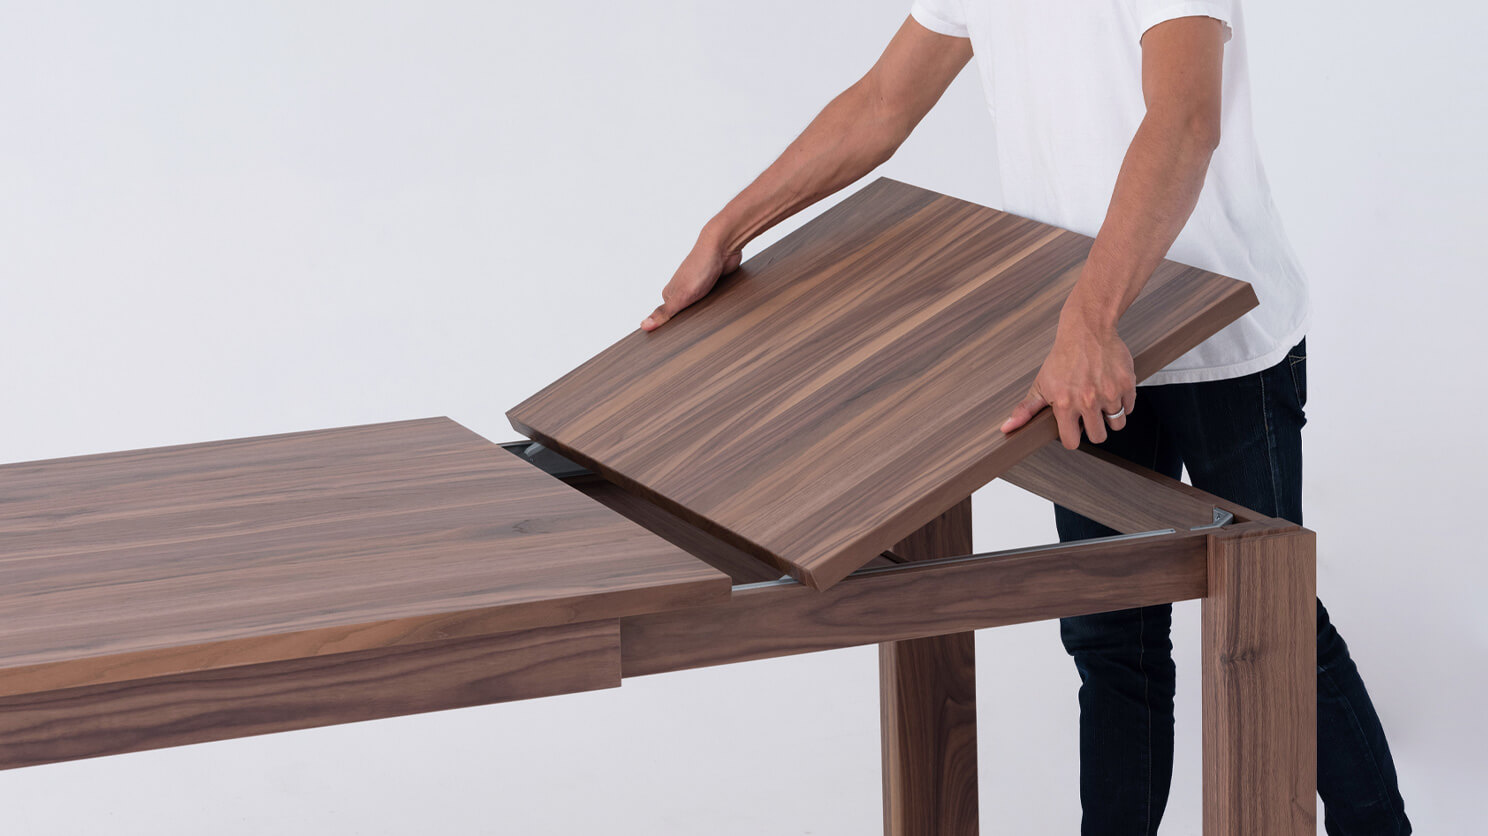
x=1296 y=361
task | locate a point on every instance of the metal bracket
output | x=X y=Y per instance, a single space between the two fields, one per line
x=1222 y=518
x=546 y=460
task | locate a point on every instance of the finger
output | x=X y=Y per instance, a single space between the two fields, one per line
x=1127 y=407
x=1114 y=415
x=1095 y=425
x=1024 y=411
x=657 y=317
x=1069 y=427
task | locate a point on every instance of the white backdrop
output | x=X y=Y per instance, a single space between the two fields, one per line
x=233 y=219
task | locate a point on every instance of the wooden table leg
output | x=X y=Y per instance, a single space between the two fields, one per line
x=1260 y=685
x=928 y=691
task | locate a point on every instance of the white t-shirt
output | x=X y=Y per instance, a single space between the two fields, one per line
x=1063 y=79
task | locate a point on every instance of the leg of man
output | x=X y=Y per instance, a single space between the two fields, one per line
x=1125 y=662
x=1241 y=440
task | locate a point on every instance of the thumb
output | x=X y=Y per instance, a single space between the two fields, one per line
x=1026 y=409
x=655 y=319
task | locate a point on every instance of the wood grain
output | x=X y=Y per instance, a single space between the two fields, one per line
x=1259 y=684
x=152 y=562
x=927 y=709
x=740 y=566
x=1166 y=485
x=919 y=599
x=845 y=385
x=303 y=693
x=1114 y=496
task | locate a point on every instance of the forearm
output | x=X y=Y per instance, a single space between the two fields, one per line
x=1156 y=190
x=850 y=137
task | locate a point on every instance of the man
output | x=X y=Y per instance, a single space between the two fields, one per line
x=1127 y=120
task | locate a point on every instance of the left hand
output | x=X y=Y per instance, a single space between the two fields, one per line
x=1087 y=374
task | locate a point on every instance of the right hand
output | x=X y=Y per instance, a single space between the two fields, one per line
x=699 y=272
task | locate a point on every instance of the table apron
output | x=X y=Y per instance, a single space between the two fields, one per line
x=90 y=721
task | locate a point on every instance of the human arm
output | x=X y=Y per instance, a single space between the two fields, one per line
x=1089 y=369
x=856 y=132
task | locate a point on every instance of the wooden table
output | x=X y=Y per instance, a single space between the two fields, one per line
x=785 y=468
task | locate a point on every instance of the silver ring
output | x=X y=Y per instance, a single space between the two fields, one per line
x=1117 y=414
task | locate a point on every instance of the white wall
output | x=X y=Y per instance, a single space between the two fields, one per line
x=232 y=219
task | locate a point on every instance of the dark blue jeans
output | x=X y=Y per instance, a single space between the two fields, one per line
x=1241 y=440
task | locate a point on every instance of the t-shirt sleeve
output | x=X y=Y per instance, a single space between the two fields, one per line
x=1149 y=13
x=943 y=16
